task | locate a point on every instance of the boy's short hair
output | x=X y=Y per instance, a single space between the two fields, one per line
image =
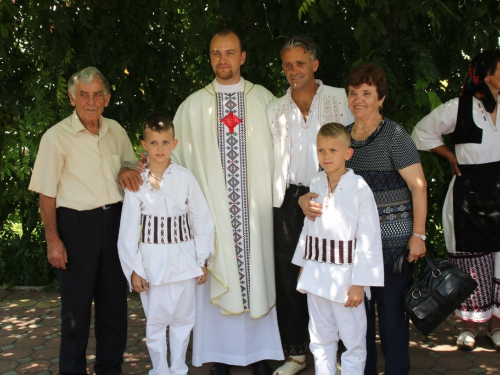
x=335 y=130
x=157 y=123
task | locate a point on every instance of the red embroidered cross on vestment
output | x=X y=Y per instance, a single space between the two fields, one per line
x=231 y=121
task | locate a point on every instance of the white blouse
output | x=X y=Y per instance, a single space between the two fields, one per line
x=428 y=134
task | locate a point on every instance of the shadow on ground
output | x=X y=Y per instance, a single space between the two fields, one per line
x=29 y=342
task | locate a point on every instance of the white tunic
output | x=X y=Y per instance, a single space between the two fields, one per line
x=351 y=215
x=428 y=134
x=160 y=264
x=295 y=157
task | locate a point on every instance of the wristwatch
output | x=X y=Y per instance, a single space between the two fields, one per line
x=421 y=236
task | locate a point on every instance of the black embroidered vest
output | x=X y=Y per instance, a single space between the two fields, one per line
x=466 y=130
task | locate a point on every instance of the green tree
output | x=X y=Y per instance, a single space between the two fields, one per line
x=155 y=53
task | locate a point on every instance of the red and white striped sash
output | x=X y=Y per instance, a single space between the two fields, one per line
x=329 y=251
x=165 y=230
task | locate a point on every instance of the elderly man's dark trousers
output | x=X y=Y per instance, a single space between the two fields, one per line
x=93 y=273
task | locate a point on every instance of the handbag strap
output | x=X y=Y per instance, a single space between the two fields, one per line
x=431 y=264
x=398 y=270
x=436 y=272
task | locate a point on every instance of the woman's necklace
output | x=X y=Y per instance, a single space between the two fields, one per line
x=370 y=128
x=152 y=175
x=330 y=192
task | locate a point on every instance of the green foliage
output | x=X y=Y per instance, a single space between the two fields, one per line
x=155 y=54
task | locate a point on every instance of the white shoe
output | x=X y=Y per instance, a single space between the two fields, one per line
x=466 y=339
x=293 y=365
x=494 y=336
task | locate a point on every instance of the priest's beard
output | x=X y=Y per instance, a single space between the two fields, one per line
x=224 y=74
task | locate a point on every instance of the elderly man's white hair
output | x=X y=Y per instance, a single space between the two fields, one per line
x=86 y=76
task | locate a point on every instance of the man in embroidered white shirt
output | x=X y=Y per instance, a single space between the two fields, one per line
x=227 y=145
x=294 y=120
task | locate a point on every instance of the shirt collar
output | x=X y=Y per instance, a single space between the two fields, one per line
x=246 y=86
x=345 y=175
x=229 y=88
x=77 y=126
x=318 y=91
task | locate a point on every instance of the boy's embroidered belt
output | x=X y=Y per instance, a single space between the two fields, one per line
x=165 y=230
x=329 y=251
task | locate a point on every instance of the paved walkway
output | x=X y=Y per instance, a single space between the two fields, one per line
x=29 y=342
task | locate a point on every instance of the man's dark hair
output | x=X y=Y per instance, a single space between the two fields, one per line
x=300 y=41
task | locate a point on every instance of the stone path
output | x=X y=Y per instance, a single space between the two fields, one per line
x=29 y=342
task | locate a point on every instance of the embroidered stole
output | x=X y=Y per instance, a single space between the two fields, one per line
x=232 y=140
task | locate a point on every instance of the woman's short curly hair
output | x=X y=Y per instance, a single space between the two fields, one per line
x=370 y=73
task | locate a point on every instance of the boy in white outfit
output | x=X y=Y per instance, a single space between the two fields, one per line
x=340 y=254
x=166 y=258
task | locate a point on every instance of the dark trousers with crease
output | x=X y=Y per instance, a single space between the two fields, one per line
x=291 y=306
x=394 y=326
x=93 y=273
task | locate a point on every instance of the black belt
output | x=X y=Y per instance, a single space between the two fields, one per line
x=298 y=188
x=107 y=206
x=101 y=208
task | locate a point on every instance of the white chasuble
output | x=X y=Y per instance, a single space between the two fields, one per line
x=225 y=141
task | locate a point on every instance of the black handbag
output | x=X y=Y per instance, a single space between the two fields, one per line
x=435 y=292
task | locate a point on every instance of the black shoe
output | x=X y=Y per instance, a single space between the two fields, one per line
x=261 y=368
x=219 y=369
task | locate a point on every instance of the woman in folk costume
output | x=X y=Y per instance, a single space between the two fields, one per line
x=472 y=206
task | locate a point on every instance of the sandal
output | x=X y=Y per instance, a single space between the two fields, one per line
x=467 y=339
x=293 y=365
x=494 y=336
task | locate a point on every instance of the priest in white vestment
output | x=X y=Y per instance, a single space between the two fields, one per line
x=224 y=140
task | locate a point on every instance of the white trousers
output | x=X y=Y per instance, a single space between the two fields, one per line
x=327 y=322
x=171 y=305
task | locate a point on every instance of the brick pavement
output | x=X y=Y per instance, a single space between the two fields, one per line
x=29 y=342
